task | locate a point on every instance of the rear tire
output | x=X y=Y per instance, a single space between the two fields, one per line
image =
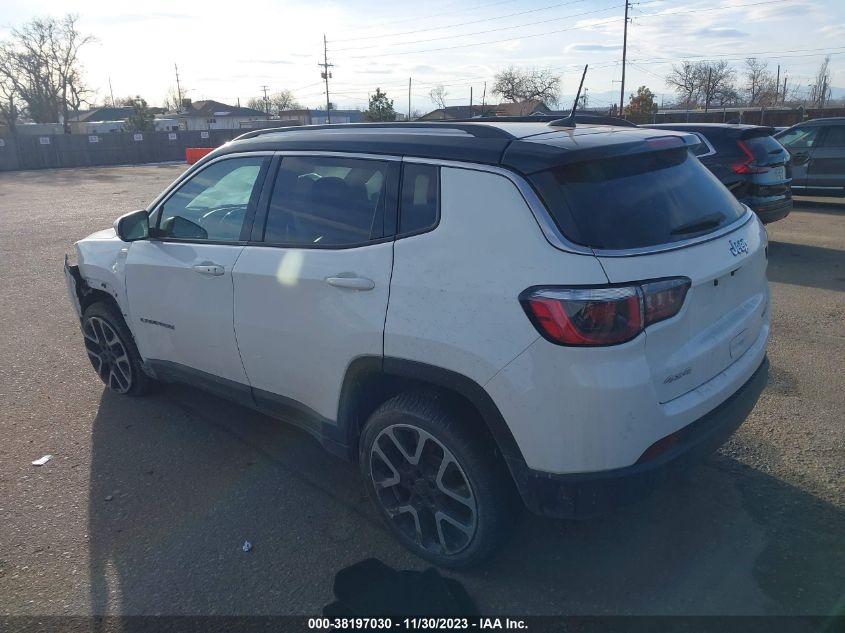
x=112 y=351
x=436 y=481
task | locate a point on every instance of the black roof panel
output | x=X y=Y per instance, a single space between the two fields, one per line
x=523 y=146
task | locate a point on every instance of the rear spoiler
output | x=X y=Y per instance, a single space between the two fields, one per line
x=528 y=157
x=754 y=132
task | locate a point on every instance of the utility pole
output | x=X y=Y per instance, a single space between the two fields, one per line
x=708 y=94
x=483 y=96
x=326 y=75
x=777 y=86
x=111 y=92
x=624 y=56
x=178 y=90
x=409 y=98
x=266 y=101
x=470 y=102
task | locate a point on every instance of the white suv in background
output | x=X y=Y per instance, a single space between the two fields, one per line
x=476 y=312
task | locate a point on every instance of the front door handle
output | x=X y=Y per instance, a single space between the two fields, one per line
x=212 y=270
x=353 y=283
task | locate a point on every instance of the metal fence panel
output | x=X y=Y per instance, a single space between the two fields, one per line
x=118 y=148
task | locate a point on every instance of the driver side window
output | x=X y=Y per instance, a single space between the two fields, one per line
x=799 y=138
x=212 y=205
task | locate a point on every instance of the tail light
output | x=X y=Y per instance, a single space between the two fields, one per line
x=602 y=316
x=748 y=166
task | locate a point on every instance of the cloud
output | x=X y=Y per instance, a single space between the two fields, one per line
x=720 y=32
x=590 y=47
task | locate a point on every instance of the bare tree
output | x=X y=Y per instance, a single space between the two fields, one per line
x=820 y=90
x=704 y=83
x=257 y=103
x=284 y=100
x=171 y=99
x=718 y=83
x=518 y=85
x=438 y=96
x=685 y=80
x=10 y=106
x=41 y=62
x=760 y=84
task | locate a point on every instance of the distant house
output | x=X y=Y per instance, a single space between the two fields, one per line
x=213 y=115
x=295 y=117
x=318 y=117
x=523 y=108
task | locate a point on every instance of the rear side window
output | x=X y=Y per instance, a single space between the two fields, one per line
x=327 y=201
x=420 y=196
x=637 y=201
x=834 y=137
x=764 y=149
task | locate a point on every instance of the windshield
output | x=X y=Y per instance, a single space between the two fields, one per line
x=635 y=202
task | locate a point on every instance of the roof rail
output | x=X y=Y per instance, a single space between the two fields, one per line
x=580 y=117
x=474 y=129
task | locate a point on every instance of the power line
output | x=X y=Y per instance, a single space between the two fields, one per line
x=501 y=28
x=452 y=26
x=573 y=28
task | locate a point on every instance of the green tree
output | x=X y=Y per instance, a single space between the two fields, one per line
x=641 y=104
x=142 y=118
x=381 y=108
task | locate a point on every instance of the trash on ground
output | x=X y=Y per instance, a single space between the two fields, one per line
x=42 y=460
x=109 y=497
x=247 y=546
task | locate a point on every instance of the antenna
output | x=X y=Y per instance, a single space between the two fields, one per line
x=570 y=120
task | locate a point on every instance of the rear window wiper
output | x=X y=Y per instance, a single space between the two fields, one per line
x=702 y=224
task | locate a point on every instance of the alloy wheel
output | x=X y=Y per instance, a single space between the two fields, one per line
x=423 y=489
x=108 y=354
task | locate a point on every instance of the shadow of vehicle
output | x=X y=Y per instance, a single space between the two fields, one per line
x=181 y=479
x=805 y=265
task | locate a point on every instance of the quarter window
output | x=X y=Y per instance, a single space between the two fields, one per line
x=418 y=210
x=327 y=201
x=212 y=205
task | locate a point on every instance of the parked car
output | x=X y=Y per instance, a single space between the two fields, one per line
x=817 y=148
x=748 y=161
x=476 y=313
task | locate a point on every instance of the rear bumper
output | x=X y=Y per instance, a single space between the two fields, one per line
x=582 y=495
x=771 y=211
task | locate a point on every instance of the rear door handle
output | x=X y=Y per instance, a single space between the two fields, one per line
x=212 y=270
x=353 y=283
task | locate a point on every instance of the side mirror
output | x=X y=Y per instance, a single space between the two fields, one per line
x=133 y=226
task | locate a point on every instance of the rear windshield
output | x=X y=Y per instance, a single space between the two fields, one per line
x=637 y=201
x=765 y=149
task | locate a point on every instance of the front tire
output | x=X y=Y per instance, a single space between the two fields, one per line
x=436 y=482
x=112 y=351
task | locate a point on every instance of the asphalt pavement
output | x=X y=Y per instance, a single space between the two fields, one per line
x=146 y=502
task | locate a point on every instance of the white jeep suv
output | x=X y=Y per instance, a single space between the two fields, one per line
x=475 y=312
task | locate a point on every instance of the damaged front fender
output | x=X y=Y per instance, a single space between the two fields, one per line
x=75 y=287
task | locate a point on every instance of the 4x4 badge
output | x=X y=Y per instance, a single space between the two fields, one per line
x=738 y=246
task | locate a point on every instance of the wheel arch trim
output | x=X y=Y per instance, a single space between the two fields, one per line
x=366 y=367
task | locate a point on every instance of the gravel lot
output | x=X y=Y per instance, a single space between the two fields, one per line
x=146 y=502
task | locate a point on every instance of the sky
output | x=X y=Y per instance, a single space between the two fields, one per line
x=228 y=51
